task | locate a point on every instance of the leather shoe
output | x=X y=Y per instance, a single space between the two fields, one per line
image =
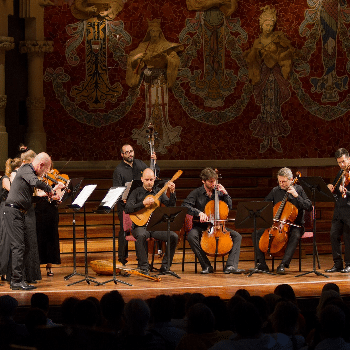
x=163 y=269
x=346 y=269
x=208 y=269
x=145 y=272
x=263 y=267
x=31 y=282
x=235 y=270
x=21 y=286
x=281 y=270
x=334 y=269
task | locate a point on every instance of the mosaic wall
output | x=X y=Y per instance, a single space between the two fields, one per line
x=297 y=107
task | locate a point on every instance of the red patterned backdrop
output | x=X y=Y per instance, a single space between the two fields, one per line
x=76 y=130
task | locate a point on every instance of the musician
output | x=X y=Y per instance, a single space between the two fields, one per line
x=298 y=198
x=126 y=171
x=341 y=215
x=137 y=201
x=19 y=200
x=195 y=202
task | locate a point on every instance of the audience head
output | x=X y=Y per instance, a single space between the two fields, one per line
x=137 y=316
x=243 y=293
x=246 y=320
x=285 y=318
x=219 y=310
x=325 y=298
x=8 y=306
x=194 y=298
x=40 y=301
x=286 y=292
x=331 y=286
x=35 y=318
x=332 y=320
x=200 y=319
x=162 y=308
x=86 y=313
x=67 y=310
x=271 y=300
x=112 y=306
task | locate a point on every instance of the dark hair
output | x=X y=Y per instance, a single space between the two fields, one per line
x=341 y=152
x=40 y=301
x=208 y=173
x=121 y=148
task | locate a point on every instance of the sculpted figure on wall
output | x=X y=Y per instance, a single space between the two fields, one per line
x=157 y=54
x=269 y=64
x=155 y=63
x=226 y=6
x=85 y=9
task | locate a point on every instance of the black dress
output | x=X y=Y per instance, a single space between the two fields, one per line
x=4 y=238
x=47 y=218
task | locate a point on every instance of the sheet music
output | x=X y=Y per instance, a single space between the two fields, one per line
x=112 y=196
x=126 y=192
x=84 y=195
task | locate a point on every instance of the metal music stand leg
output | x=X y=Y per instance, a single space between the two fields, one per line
x=74 y=253
x=114 y=279
x=87 y=278
x=314 y=247
x=256 y=264
x=168 y=219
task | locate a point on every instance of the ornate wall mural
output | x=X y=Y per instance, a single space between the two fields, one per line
x=239 y=89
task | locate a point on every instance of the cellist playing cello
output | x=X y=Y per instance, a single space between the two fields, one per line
x=298 y=198
x=196 y=202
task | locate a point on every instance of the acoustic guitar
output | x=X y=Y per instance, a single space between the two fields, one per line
x=141 y=217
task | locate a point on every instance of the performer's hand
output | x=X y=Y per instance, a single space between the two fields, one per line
x=342 y=190
x=292 y=191
x=203 y=217
x=148 y=201
x=154 y=157
x=171 y=186
x=55 y=197
x=221 y=188
x=59 y=186
x=331 y=187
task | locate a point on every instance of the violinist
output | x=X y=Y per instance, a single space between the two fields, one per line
x=298 y=198
x=18 y=202
x=341 y=215
x=196 y=202
x=126 y=171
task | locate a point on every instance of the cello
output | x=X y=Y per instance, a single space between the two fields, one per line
x=216 y=240
x=274 y=239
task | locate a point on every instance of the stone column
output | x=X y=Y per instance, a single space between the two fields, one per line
x=6 y=43
x=35 y=49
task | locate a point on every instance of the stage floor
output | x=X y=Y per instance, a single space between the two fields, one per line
x=213 y=284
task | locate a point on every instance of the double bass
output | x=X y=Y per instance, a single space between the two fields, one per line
x=216 y=240
x=151 y=138
x=274 y=239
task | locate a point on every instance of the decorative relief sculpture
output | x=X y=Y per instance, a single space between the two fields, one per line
x=269 y=64
x=227 y=7
x=156 y=62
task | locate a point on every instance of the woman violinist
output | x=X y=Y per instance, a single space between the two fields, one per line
x=196 y=202
x=300 y=202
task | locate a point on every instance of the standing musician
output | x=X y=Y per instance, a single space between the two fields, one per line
x=298 y=198
x=196 y=202
x=19 y=200
x=138 y=201
x=128 y=170
x=341 y=215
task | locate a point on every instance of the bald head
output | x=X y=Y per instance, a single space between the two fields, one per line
x=42 y=163
x=148 y=179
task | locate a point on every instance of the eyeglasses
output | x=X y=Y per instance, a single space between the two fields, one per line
x=128 y=152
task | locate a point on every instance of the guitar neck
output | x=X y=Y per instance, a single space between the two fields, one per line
x=176 y=176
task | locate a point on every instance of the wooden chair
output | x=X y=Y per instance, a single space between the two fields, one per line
x=187 y=227
x=308 y=233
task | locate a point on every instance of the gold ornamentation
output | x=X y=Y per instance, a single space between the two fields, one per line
x=36 y=47
x=6 y=43
x=3 y=100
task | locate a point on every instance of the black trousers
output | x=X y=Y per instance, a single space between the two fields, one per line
x=294 y=236
x=340 y=227
x=141 y=235
x=194 y=239
x=14 y=221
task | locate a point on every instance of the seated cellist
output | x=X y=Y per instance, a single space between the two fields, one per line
x=196 y=202
x=298 y=198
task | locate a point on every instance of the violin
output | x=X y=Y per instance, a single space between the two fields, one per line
x=216 y=240
x=343 y=180
x=274 y=239
x=54 y=177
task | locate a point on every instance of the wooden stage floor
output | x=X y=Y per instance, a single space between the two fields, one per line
x=213 y=284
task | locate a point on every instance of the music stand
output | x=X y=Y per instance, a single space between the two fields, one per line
x=167 y=219
x=78 y=203
x=73 y=186
x=107 y=204
x=316 y=189
x=254 y=215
